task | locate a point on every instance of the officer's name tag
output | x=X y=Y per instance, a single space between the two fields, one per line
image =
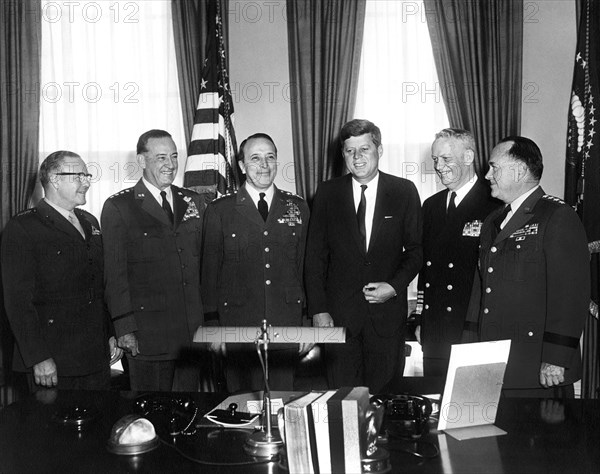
x=472 y=229
x=529 y=229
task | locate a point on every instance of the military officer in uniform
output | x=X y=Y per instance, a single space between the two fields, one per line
x=252 y=266
x=533 y=285
x=152 y=235
x=52 y=271
x=452 y=222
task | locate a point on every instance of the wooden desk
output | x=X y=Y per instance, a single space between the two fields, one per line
x=542 y=437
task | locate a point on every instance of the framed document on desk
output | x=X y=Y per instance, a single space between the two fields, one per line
x=472 y=391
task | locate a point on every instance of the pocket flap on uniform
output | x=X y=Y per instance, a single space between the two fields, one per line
x=232 y=296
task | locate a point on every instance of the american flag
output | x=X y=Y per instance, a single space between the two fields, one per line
x=582 y=186
x=211 y=167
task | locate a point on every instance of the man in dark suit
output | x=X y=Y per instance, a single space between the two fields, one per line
x=363 y=250
x=534 y=284
x=252 y=265
x=152 y=235
x=52 y=271
x=452 y=222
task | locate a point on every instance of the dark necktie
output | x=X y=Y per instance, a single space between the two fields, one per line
x=500 y=219
x=361 y=215
x=263 y=207
x=166 y=206
x=451 y=205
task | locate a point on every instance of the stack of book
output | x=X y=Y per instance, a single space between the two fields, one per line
x=325 y=431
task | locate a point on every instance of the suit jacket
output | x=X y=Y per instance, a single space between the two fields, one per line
x=252 y=269
x=53 y=291
x=450 y=249
x=534 y=288
x=337 y=266
x=153 y=269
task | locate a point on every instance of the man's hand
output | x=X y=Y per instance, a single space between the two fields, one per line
x=378 y=292
x=322 y=320
x=304 y=348
x=129 y=343
x=218 y=348
x=45 y=374
x=115 y=351
x=551 y=375
x=418 y=334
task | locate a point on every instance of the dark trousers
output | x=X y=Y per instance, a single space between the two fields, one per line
x=434 y=367
x=562 y=391
x=95 y=381
x=366 y=359
x=163 y=375
x=243 y=370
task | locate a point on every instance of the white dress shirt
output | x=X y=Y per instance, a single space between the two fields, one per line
x=371 y=197
x=156 y=193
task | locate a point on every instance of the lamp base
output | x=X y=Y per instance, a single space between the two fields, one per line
x=260 y=445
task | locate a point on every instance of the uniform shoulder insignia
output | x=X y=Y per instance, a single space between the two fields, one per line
x=31 y=210
x=222 y=196
x=120 y=193
x=551 y=198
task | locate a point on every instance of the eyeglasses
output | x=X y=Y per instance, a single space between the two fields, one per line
x=81 y=177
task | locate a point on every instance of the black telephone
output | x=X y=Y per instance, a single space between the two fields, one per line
x=176 y=413
x=406 y=415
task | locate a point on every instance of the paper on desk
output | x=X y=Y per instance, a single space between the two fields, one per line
x=473 y=386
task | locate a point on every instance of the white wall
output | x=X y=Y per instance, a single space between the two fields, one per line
x=259 y=76
x=549 y=42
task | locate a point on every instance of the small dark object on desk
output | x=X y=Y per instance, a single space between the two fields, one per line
x=76 y=416
x=231 y=416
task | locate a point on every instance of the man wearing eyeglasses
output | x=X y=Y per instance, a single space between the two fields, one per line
x=52 y=273
x=152 y=233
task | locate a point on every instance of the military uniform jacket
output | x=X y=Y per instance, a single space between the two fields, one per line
x=53 y=291
x=153 y=269
x=337 y=265
x=534 y=288
x=450 y=249
x=252 y=269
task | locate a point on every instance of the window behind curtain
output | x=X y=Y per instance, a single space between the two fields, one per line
x=109 y=74
x=399 y=91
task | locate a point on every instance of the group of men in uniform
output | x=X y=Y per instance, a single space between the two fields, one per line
x=163 y=265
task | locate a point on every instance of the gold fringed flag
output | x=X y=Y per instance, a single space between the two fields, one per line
x=211 y=167
x=582 y=186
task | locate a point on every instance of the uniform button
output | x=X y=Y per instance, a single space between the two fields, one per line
x=225 y=304
x=488 y=290
x=266 y=232
x=490 y=269
x=266 y=249
x=50 y=322
x=450 y=265
x=90 y=302
x=268 y=282
x=427 y=285
x=145 y=234
x=367 y=263
x=530 y=333
x=428 y=263
x=299 y=300
x=486 y=311
x=233 y=235
x=519 y=246
x=141 y=308
x=293 y=233
x=268 y=265
x=58 y=253
x=185 y=283
x=449 y=309
x=426 y=306
x=180 y=250
x=183 y=266
x=449 y=287
x=493 y=249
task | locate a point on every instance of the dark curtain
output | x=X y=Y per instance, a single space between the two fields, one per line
x=190 y=29
x=325 y=42
x=20 y=43
x=478 y=54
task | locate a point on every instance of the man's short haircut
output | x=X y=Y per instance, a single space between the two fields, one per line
x=53 y=164
x=142 y=143
x=252 y=137
x=463 y=136
x=525 y=150
x=358 y=127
